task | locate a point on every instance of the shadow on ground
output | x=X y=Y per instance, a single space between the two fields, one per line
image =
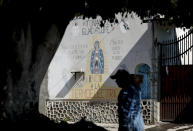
x=42 y=122
x=186 y=116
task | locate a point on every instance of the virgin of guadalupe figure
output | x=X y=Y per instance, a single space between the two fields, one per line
x=97 y=59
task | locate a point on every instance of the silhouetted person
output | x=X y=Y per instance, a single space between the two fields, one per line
x=129 y=101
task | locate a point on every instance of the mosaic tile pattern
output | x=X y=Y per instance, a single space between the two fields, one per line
x=96 y=111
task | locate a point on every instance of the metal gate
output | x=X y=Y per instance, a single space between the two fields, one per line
x=176 y=59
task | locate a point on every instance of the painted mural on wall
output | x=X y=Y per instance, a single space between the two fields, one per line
x=97 y=51
x=116 y=48
x=96 y=73
x=97 y=59
x=93 y=26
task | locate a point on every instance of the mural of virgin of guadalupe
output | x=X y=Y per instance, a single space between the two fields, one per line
x=97 y=59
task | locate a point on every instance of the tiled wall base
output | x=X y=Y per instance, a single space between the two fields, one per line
x=96 y=111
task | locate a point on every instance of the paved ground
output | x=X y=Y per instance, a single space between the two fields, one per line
x=171 y=127
x=162 y=126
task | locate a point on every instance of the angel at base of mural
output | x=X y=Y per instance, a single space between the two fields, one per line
x=97 y=59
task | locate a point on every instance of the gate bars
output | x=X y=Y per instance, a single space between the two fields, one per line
x=176 y=67
x=172 y=51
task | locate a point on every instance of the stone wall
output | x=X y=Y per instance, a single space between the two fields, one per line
x=147 y=111
x=92 y=110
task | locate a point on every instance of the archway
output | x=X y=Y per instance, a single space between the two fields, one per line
x=144 y=69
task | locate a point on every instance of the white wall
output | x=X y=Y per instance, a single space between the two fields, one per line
x=120 y=46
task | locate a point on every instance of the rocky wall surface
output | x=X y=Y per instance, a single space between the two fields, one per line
x=96 y=111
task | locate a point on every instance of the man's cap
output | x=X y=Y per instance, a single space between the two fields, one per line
x=120 y=74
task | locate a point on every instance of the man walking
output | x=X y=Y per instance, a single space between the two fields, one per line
x=129 y=101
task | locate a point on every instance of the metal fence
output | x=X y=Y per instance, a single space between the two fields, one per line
x=176 y=61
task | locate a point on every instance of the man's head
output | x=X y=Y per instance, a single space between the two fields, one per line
x=122 y=78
